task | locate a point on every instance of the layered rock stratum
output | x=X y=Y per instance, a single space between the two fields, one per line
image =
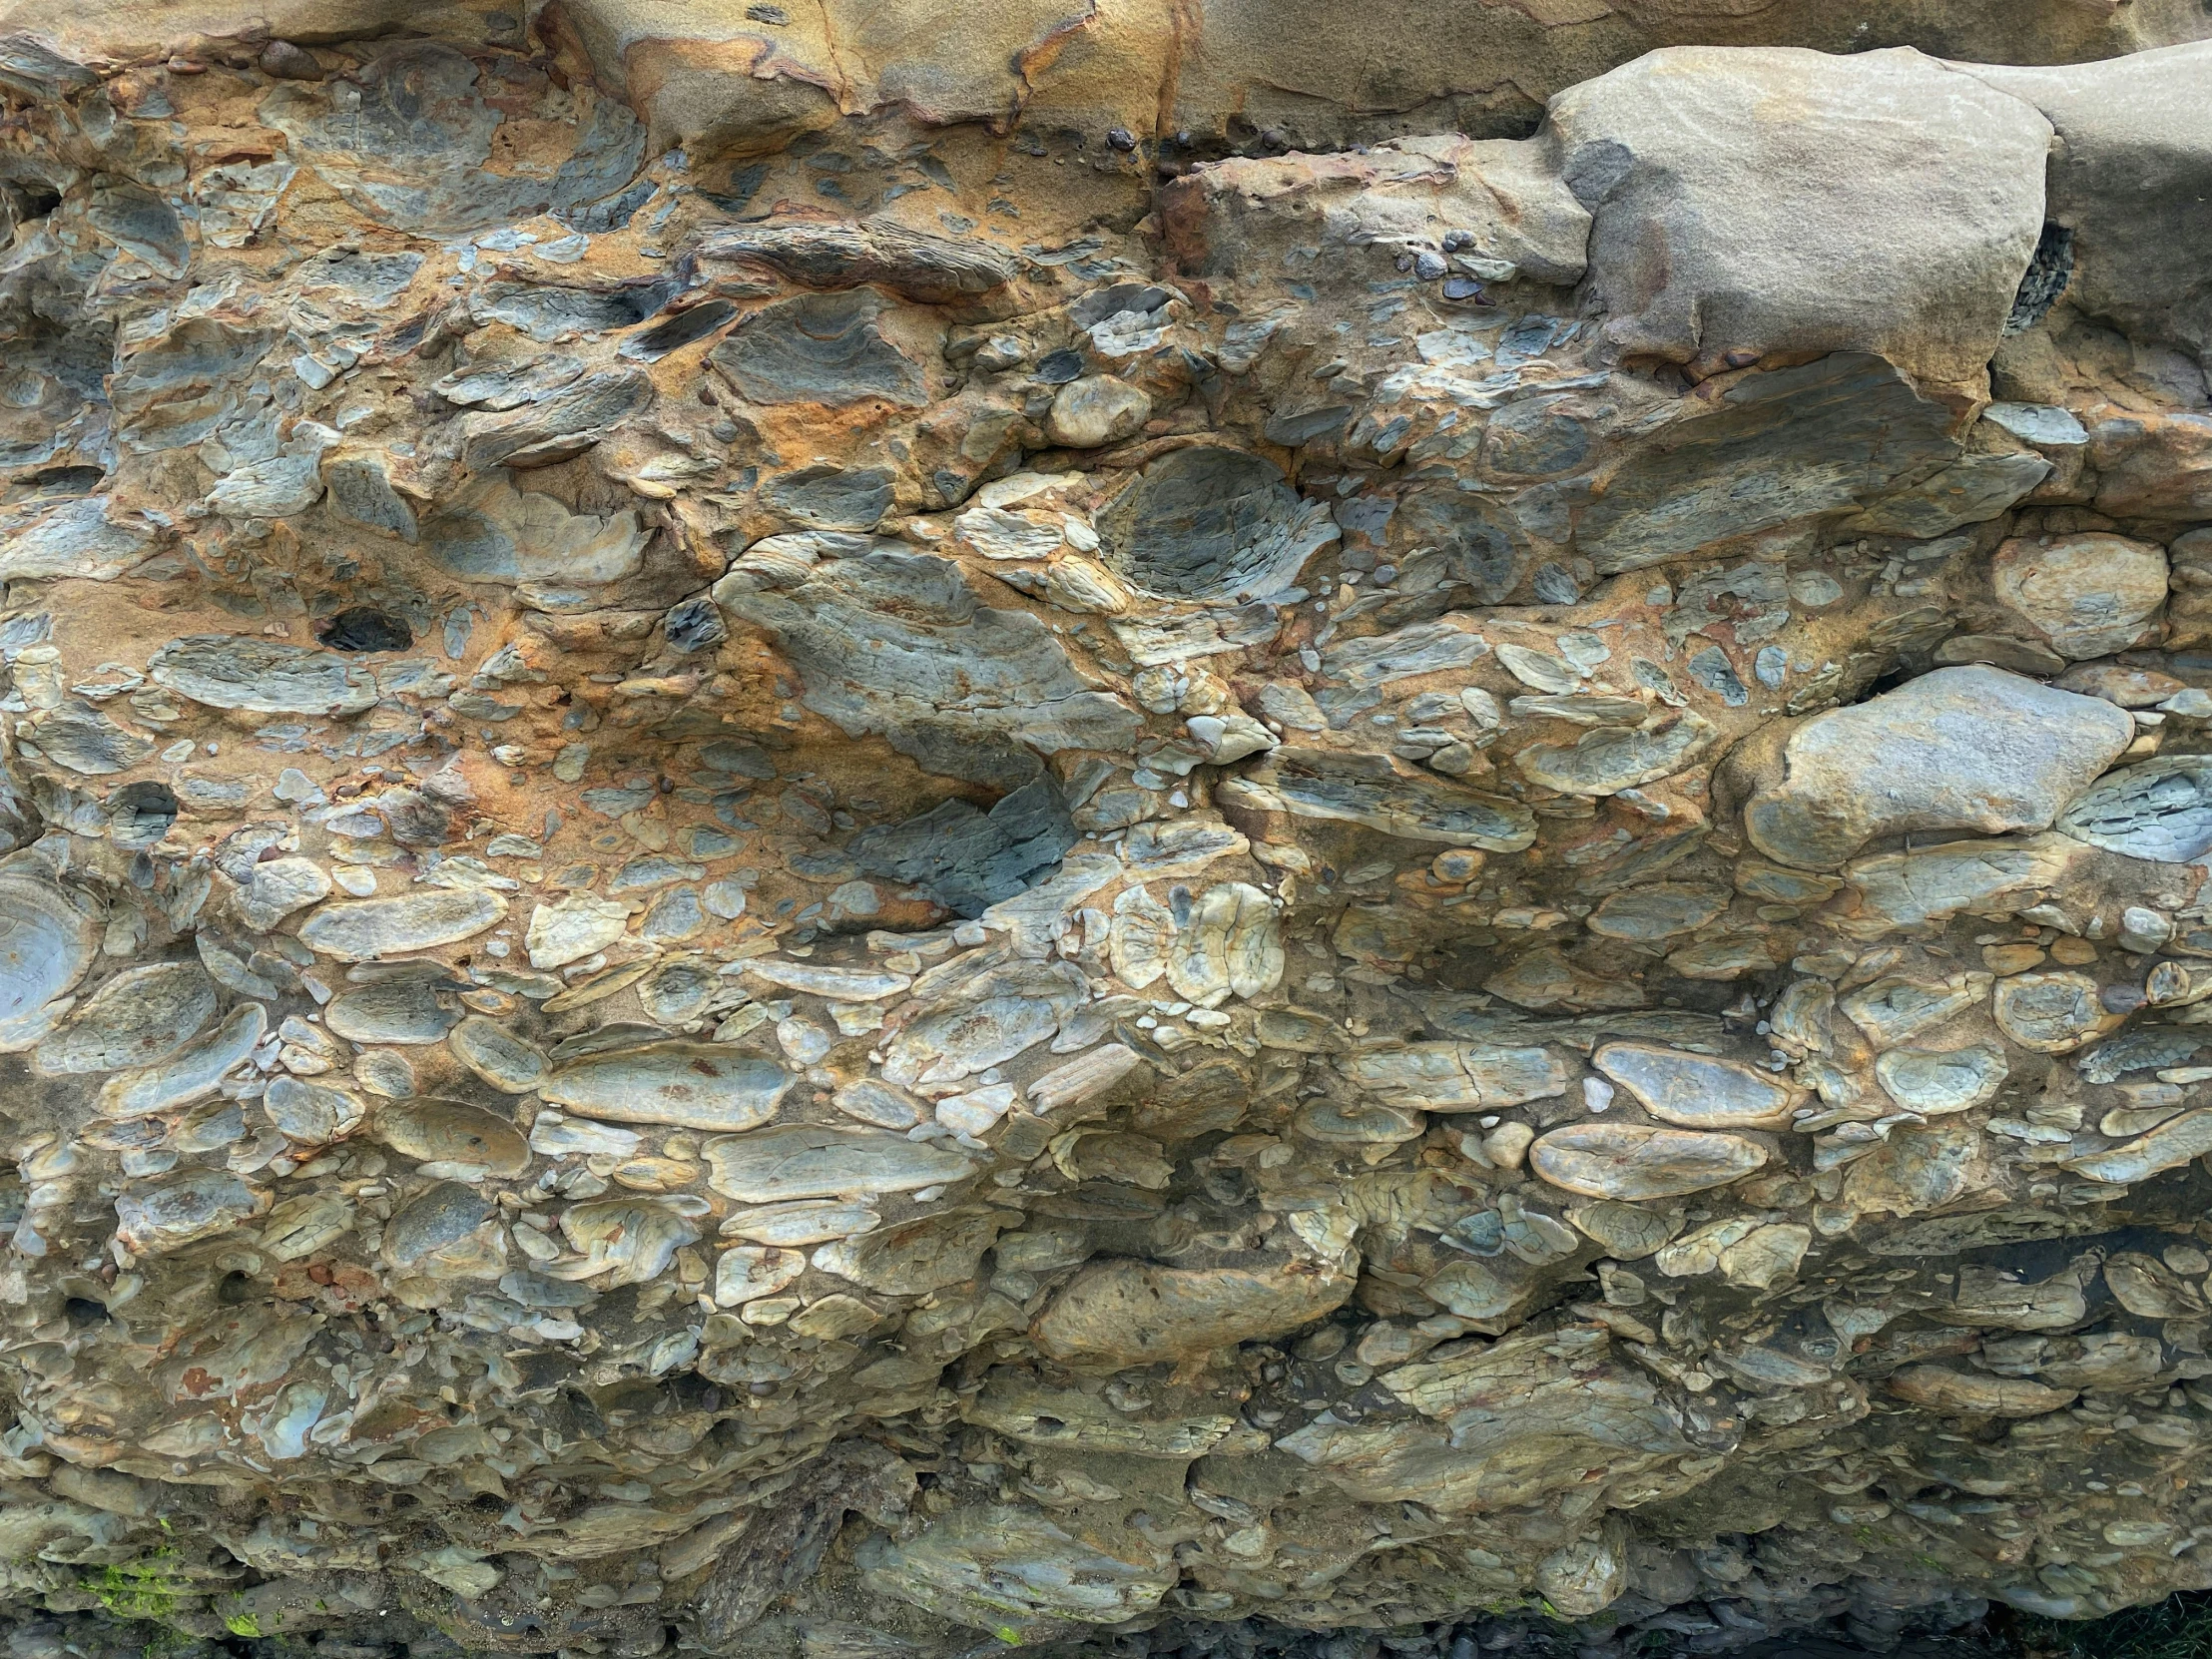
x=842 y=830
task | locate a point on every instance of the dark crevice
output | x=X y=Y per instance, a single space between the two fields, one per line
x=2049 y=272
x=366 y=628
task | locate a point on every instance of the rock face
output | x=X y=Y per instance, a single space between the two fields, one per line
x=844 y=834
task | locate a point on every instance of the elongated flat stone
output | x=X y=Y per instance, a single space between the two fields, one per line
x=76 y=539
x=1627 y=1232
x=1616 y=758
x=562 y=425
x=1965 y=1393
x=1892 y=891
x=191 y=1071
x=360 y=930
x=2170 y=1145
x=1458 y=1077
x=450 y=1132
x=1696 y=1091
x=801 y=1161
x=1366 y=790
x=84 y=740
x=918 y=263
x=1134 y=1312
x=1072 y=1419
x=1890 y=1010
x=805 y=1222
x=226 y=670
x=817 y=348
x=141 y=1015
x=1021 y=1574
x=1993 y=1296
x=838 y=984
x=684 y=1085
x=750 y=1271
x=1776 y=448
x=2146 y=1287
x=1627 y=1162
x=1662 y=911
x=505 y=1061
x=408 y=1007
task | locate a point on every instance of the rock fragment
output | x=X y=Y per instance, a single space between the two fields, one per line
x=2087 y=595
x=686 y=1085
x=1959 y=749
x=1121 y=1313
x=1626 y=1162
x=1693 y=1091
x=363 y=930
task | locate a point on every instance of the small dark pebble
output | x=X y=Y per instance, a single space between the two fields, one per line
x=1462 y=287
x=289 y=63
x=1057 y=368
x=694 y=625
x=1554 y=584
x=2120 y=999
x=1121 y=138
x=1429 y=266
x=1455 y=240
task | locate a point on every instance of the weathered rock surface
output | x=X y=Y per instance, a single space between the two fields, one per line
x=1959 y=749
x=2088 y=596
x=832 y=832
x=1710 y=217
x=2129 y=147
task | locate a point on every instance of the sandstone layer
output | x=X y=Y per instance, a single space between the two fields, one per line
x=843 y=833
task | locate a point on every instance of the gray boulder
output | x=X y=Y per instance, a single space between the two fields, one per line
x=1959 y=749
x=1736 y=197
x=2130 y=169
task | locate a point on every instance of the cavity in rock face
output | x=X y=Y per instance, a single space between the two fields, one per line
x=837 y=840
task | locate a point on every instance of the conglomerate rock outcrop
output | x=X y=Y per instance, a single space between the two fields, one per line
x=863 y=836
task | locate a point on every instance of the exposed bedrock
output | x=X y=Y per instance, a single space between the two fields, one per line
x=872 y=832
